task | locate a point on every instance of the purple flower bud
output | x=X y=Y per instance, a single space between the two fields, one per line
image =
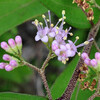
x=6 y=57
x=84 y=56
x=4 y=46
x=8 y=68
x=2 y=65
x=13 y=63
x=87 y=61
x=18 y=40
x=93 y=62
x=11 y=42
x=97 y=56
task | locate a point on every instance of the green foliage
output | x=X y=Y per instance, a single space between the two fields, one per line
x=13 y=13
x=74 y=15
x=16 y=96
x=98 y=2
x=17 y=75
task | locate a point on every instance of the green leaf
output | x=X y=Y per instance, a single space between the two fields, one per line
x=62 y=81
x=18 y=75
x=13 y=13
x=74 y=15
x=17 y=96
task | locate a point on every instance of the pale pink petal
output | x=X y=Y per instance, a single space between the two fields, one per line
x=45 y=39
x=37 y=37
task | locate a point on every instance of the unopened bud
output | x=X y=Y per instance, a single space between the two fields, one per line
x=8 y=68
x=11 y=42
x=84 y=56
x=2 y=65
x=93 y=62
x=97 y=56
x=6 y=57
x=13 y=63
x=4 y=46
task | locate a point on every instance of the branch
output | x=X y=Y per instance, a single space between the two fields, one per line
x=46 y=61
x=69 y=90
x=96 y=46
x=96 y=5
x=31 y=66
x=46 y=85
x=93 y=96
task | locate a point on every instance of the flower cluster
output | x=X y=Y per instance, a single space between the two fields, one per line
x=95 y=63
x=54 y=36
x=85 y=4
x=89 y=72
x=13 y=47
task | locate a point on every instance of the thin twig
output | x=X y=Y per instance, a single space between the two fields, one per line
x=46 y=61
x=69 y=90
x=93 y=96
x=31 y=66
x=46 y=85
x=96 y=5
x=96 y=46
